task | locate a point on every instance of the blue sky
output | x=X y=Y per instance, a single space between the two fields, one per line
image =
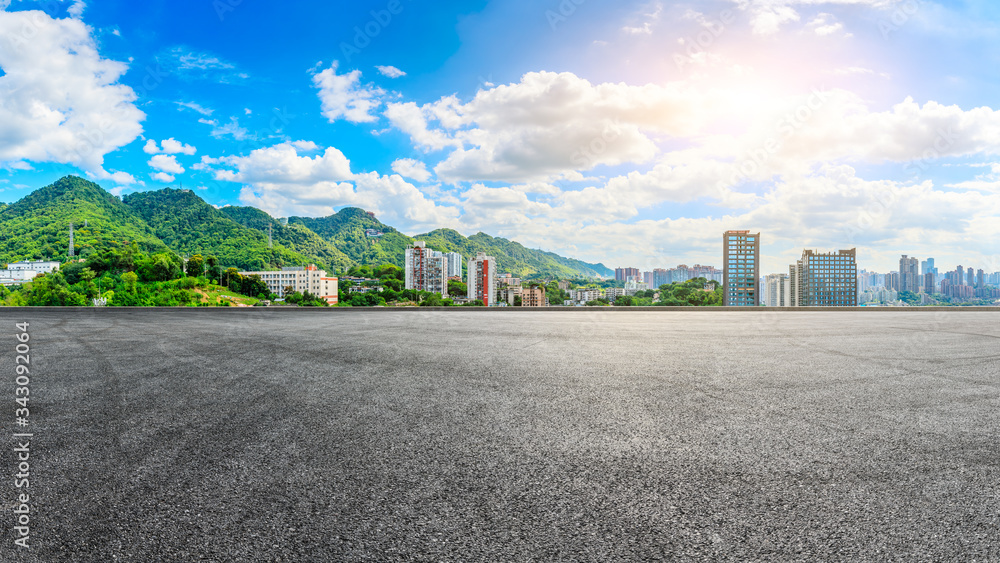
x=632 y=133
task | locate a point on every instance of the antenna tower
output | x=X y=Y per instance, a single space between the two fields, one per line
x=71 y=252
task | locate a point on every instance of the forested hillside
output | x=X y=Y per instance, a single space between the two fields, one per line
x=188 y=225
x=37 y=226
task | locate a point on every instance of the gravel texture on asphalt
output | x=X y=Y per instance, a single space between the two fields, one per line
x=463 y=435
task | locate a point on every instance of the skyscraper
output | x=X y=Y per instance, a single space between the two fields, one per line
x=454 y=264
x=740 y=268
x=980 y=279
x=960 y=275
x=776 y=290
x=426 y=269
x=909 y=279
x=482 y=284
x=826 y=280
x=623 y=274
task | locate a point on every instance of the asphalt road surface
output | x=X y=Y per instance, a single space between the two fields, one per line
x=353 y=435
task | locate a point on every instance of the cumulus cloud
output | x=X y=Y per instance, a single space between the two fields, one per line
x=59 y=100
x=170 y=146
x=344 y=97
x=301 y=178
x=390 y=71
x=548 y=125
x=282 y=164
x=166 y=163
x=411 y=168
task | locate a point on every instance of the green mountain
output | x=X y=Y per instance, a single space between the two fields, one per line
x=512 y=256
x=346 y=230
x=294 y=236
x=189 y=225
x=37 y=226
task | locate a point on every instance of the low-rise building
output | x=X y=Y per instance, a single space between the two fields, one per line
x=533 y=297
x=300 y=279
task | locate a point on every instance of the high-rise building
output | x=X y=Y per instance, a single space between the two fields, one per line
x=826 y=280
x=623 y=274
x=909 y=279
x=892 y=281
x=959 y=275
x=454 y=264
x=740 y=268
x=972 y=277
x=980 y=279
x=929 y=284
x=660 y=277
x=927 y=267
x=426 y=269
x=776 y=290
x=482 y=284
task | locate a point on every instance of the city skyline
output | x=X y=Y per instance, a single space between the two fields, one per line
x=625 y=133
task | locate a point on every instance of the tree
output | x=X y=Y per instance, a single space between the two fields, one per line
x=456 y=287
x=195 y=266
x=212 y=270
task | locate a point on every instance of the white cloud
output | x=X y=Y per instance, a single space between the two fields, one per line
x=170 y=146
x=231 y=129
x=283 y=181
x=647 y=19
x=166 y=163
x=59 y=100
x=162 y=177
x=196 y=107
x=173 y=146
x=549 y=125
x=77 y=8
x=343 y=96
x=390 y=71
x=190 y=64
x=767 y=17
x=411 y=168
x=282 y=164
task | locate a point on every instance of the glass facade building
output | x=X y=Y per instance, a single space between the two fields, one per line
x=740 y=269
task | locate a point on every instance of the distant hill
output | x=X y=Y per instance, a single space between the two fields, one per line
x=346 y=230
x=512 y=256
x=37 y=226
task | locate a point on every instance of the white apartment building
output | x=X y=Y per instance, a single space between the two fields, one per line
x=584 y=295
x=454 y=264
x=426 y=269
x=777 y=290
x=634 y=285
x=613 y=293
x=300 y=279
x=482 y=283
